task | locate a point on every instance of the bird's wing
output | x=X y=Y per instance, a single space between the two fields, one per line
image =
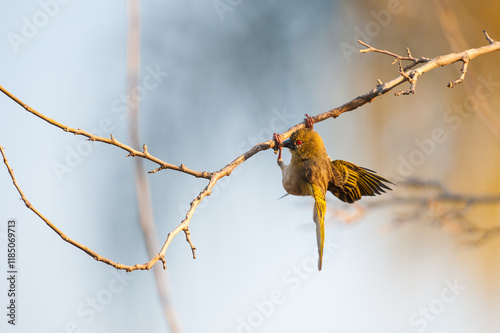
x=356 y=182
x=319 y=219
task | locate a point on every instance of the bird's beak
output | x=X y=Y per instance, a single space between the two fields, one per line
x=288 y=144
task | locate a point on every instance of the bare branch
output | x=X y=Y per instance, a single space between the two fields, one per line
x=406 y=74
x=112 y=141
x=412 y=75
x=188 y=239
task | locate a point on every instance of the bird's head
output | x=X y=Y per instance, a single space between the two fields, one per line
x=305 y=143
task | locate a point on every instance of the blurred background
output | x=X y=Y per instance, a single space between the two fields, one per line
x=216 y=78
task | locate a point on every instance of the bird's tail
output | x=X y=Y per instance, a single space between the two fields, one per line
x=319 y=219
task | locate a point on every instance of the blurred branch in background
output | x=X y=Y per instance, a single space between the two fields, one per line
x=410 y=75
x=432 y=202
x=144 y=203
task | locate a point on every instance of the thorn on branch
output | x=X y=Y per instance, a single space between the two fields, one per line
x=409 y=53
x=488 y=38
x=145 y=149
x=157 y=169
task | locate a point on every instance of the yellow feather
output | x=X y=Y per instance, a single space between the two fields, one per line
x=319 y=218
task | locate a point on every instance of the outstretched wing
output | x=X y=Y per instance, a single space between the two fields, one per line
x=319 y=218
x=351 y=182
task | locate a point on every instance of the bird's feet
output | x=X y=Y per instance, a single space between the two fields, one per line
x=278 y=147
x=309 y=121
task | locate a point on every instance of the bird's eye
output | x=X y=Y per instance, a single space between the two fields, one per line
x=298 y=142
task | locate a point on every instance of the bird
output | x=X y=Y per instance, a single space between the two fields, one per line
x=312 y=172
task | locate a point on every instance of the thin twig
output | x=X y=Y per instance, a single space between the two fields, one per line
x=370 y=48
x=488 y=38
x=451 y=26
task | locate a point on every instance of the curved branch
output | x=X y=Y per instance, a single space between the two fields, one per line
x=406 y=74
x=111 y=141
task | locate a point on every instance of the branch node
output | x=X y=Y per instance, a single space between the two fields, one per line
x=368 y=47
x=401 y=70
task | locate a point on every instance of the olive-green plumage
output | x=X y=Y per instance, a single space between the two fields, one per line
x=312 y=172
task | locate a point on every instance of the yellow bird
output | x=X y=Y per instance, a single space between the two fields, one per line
x=312 y=172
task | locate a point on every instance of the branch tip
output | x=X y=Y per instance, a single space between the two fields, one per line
x=488 y=38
